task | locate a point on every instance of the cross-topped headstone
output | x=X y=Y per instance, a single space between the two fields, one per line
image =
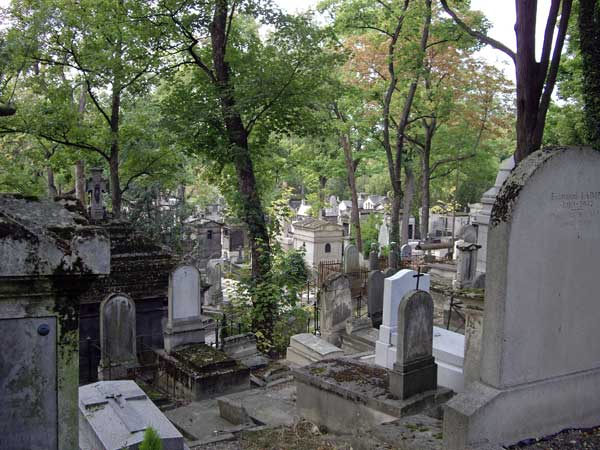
x=96 y=186
x=418 y=276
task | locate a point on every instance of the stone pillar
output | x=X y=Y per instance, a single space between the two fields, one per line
x=415 y=370
x=50 y=256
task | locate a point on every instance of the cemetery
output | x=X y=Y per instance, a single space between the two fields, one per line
x=242 y=226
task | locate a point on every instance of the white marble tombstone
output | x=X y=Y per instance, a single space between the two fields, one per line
x=117 y=337
x=185 y=323
x=540 y=355
x=384 y=235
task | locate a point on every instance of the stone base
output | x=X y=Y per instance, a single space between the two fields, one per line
x=347 y=396
x=182 y=333
x=413 y=378
x=306 y=349
x=484 y=416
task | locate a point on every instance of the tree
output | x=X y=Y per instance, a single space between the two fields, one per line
x=241 y=91
x=535 y=80
x=90 y=59
x=589 y=41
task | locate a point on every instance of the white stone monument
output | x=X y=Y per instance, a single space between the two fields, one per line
x=540 y=355
x=384 y=235
x=185 y=323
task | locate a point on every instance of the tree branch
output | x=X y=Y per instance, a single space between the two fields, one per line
x=477 y=34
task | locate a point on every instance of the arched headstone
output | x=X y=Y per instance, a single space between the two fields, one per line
x=117 y=336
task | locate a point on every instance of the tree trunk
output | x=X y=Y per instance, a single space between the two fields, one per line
x=409 y=183
x=80 y=182
x=350 y=170
x=113 y=163
x=429 y=129
x=52 y=192
x=589 y=35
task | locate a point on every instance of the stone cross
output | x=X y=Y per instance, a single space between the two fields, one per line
x=118 y=399
x=96 y=186
x=415 y=370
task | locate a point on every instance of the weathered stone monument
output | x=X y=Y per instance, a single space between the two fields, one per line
x=405 y=252
x=415 y=370
x=393 y=260
x=351 y=259
x=306 y=348
x=374 y=257
x=540 y=356
x=335 y=301
x=96 y=186
x=214 y=294
x=375 y=297
x=49 y=257
x=117 y=337
x=448 y=346
x=114 y=415
x=466 y=265
x=185 y=322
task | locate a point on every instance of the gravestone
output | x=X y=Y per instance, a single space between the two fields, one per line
x=306 y=348
x=374 y=257
x=185 y=323
x=448 y=346
x=117 y=337
x=351 y=259
x=466 y=264
x=540 y=355
x=115 y=414
x=335 y=301
x=50 y=257
x=415 y=370
x=96 y=186
x=405 y=252
x=384 y=235
x=214 y=295
x=240 y=255
x=375 y=297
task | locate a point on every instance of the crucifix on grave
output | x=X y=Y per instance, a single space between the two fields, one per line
x=418 y=276
x=96 y=185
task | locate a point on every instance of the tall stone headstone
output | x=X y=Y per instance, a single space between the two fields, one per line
x=375 y=297
x=49 y=257
x=117 y=337
x=185 y=323
x=540 y=356
x=374 y=257
x=415 y=370
x=96 y=185
x=335 y=302
x=466 y=264
x=384 y=236
x=351 y=259
x=214 y=294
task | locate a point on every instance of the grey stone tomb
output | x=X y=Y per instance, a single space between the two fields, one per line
x=114 y=415
x=50 y=257
x=96 y=186
x=415 y=370
x=374 y=257
x=540 y=355
x=351 y=259
x=117 y=337
x=335 y=301
x=405 y=252
x=185 y=323
x=375 y=297
x=214 y=294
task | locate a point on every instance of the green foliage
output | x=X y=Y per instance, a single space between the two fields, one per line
x=151 y=440
x=370 y=232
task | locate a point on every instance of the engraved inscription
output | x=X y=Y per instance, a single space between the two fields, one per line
x=579 y=206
